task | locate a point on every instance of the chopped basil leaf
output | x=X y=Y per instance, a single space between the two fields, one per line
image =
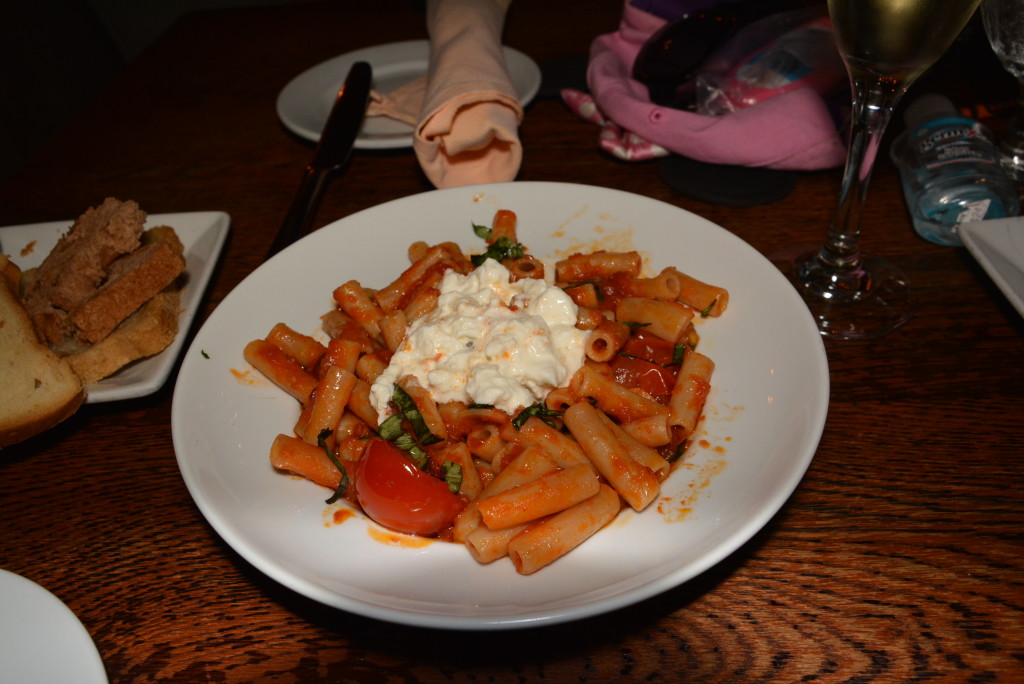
x=481 y=231
x=678 y=353
x=391 y=428
x=407 y=408
x=414 y=451
x=539 y=410
x=707 y=312
x=481 y=406
x=452 y=476
x=321 y=440
x=633 y=325
x=501 y=249
x=203 y=352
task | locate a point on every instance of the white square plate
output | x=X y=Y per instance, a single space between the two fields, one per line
x=201 y=232
x=998 y=245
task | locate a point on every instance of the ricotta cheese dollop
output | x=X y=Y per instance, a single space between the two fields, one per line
x=488 y=341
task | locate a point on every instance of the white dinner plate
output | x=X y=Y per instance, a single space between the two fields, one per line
x=303 y=104
x=763 y=421
x=41 y=640
x=998 y=245
x=202 y=233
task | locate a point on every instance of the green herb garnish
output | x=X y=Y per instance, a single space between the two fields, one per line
x=539 y=410
x=483 y=232
x=678 y=353
x=501 y=249
x=707 y=311
x=407 y=408
x=321 y=441
x=391 y=429
x=452 y=476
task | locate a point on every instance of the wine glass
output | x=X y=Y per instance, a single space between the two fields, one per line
x=886 y=45
x=1004 y=25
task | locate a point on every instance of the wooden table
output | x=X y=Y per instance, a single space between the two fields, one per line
x=898 y=558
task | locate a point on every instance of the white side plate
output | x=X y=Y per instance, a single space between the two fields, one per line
x=303 y=104
x=202 y=233
x=41 y=640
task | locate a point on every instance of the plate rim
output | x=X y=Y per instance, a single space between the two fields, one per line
x=744 y=532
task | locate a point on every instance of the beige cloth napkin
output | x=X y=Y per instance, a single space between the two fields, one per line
x=465 y=110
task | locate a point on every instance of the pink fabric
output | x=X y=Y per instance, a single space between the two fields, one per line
x=614 y=139
x=790 y=131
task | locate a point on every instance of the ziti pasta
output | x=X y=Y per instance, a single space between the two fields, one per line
x=471 y=400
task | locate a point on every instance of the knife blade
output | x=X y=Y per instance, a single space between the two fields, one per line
x=332 y=152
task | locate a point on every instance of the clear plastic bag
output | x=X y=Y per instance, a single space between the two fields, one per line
x=769 y=57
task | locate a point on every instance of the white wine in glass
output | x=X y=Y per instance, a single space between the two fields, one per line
x=886 y=45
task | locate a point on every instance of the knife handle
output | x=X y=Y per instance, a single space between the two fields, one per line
x=300 y=216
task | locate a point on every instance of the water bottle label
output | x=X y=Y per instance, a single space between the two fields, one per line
x=952 y=139
x=973 y=211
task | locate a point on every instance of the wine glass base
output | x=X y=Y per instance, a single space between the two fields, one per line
x=864 y=303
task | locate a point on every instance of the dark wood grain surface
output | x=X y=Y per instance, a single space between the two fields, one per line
x=898 y=558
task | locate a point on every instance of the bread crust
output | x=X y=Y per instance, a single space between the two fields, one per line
x=79 y=263
x=40 y=389
x=134 y=280
x=146 y=332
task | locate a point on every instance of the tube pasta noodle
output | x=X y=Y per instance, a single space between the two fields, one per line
x=635 y=483
x=392 y=328
x=537 y=482
x=303 y=348
x=538 y=546
x=691 y=391
x=708 y=299
x=665 y=286
x=524 y=267
x=342 y=353
x=607 y=339
x=328 y=403
x=356 y=302
x=583 y=267
x=612 y=397
x=667 y=320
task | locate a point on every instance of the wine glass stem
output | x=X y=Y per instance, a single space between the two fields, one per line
x=874 y=99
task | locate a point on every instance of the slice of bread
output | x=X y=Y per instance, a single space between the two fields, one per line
x=39 y=389
x=79 y=264
x=134 y=279
x=146 y=332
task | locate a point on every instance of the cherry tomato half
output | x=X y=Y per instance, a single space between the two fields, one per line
x=637 y=373
x=650 y=348
x=397 y=494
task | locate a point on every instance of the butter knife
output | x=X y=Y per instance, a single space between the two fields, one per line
x=332 y=152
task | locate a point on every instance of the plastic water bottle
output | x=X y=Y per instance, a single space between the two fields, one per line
x=950 y=171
